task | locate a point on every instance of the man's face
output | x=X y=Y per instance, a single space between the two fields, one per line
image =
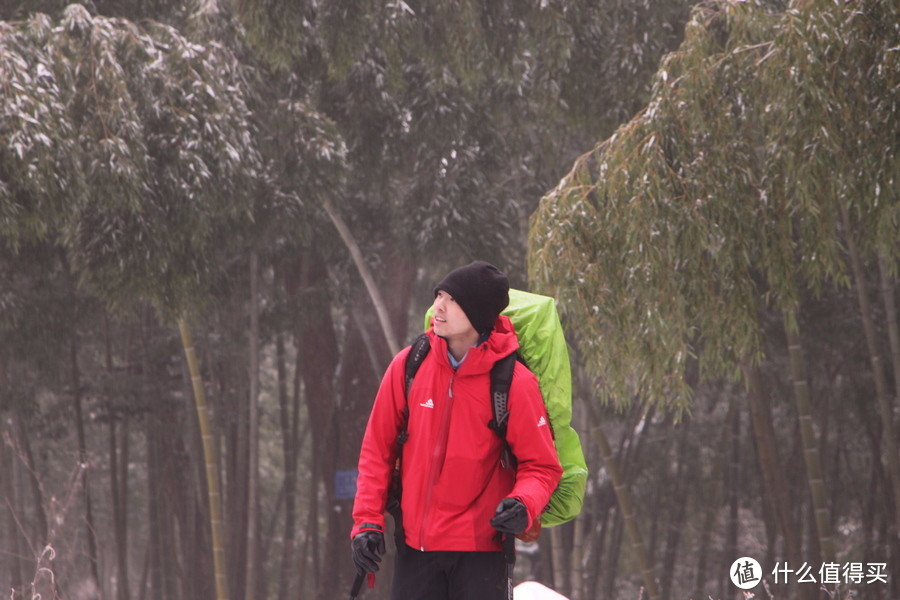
x=449 y=320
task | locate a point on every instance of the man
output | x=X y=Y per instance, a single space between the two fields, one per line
x=458 y=500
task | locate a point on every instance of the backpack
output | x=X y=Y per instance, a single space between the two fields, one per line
x=542 y=348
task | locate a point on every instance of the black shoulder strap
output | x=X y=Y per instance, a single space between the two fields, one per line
x=417 y=353
x=501 y=380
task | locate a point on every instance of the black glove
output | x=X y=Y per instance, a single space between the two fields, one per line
x=367 y=548
x=511 y=517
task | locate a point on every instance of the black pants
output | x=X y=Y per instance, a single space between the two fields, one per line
x=449 y=575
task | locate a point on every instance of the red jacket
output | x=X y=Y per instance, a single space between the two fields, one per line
x=452 y=478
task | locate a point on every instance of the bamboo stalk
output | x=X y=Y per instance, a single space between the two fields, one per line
x=252 y=566
x=808 y=437
x=624 y=498
x=366 y=274
x=209 y=458
x=885 y=406
x=890 y=310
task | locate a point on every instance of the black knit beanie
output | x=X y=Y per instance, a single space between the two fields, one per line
x=480 y=289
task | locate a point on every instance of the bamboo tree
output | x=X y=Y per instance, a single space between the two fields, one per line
x=288 y=410
x=253 y=336
x=210 y=462
x=140 y=233
x=22 y=451
x=810 y=446
x=774 y=478
x=735 y=481
x=561 y=580
x=83 y=458
x=721 y=201
x=677 y=517
x=890 y=450
x=714 y=499
x=843 y=173
x=11 y=509
x=625 y=505
x=364 y=272
x=576 y=560
x=890 y=310
x=118 y=495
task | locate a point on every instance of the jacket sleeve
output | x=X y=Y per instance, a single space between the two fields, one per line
x=530 y=438
x=378 y=453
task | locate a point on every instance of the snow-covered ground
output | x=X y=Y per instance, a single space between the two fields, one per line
x=532 y=590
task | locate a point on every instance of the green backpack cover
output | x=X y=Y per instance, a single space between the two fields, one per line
x=542 y=347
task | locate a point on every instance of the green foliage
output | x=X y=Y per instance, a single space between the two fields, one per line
x=720 y=199
x=282 y=33
x=134 y=10
x=456 y=114
x=152 y=159
x=835 y=131
x=37 y=150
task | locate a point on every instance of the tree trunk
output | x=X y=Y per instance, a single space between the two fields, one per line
x=560 y=580
x=712 y=505
x=810 y=447
x=885 y=406
x=364 y=272
x=624 y=497
x=155 y=513
x=577 y=557
x=290 y=448
x=735 y=481
x=209 y=456
x=22 y=448
x=124 y=459
x=231 y=381
x=90 y=530
x=119 y=522
x=355 y=387
x=676 y=518
x=890 y=311
x=317 y=352
x=770 y=464
x=163 y=490
x=338 y=403
x=598 y=545
x=311 y=547
x=253 y=565
x=615 y=552
x=11 y=507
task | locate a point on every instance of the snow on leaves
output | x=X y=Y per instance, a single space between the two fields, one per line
x=132 y=143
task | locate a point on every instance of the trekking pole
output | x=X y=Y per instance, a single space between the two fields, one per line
x=357 y=585
x=509 y=551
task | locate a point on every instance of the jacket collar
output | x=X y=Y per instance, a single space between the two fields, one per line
x=481 y=358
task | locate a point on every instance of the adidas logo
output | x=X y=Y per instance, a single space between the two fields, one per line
x=428 y=403
x=542 y=421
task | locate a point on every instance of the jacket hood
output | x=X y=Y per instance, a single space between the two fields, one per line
x=500 y=343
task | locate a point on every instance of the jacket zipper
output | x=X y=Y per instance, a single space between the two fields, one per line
x=440 y=451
